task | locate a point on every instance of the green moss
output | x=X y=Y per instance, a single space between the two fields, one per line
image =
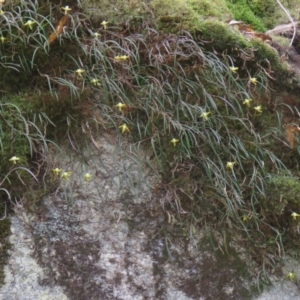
x=283 y=41
x=271 y=14
x=191 y=11
x=282 y=191
x=262 y=14
x=13 y=135
x=166 y=15
x=115 y=11
x=268 y=57
x=222 y=36
x=229 y=40
x=243 y=12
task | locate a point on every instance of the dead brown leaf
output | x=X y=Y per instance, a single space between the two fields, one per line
x=289 y=132
x=58 y=29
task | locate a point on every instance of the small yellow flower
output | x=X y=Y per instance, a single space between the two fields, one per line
x=233 y=69
x=56 y=171
x=66 y=175
x=294 y=215
x=205 y=115
x=14 y=159
x=291 y=276
x=174 y=142
x=87 y=177
x=66 y=9
x=79 y=72
x=120 y=106
x=2 y=12
x=95 y=82
x=258 y=109
x=247 y=102
x=253 y=80
x=230 y=165
x=96 y=35
x=104 y=24
x=121 y=57
x=124 y=128
x=29 y=23
x=245 y=218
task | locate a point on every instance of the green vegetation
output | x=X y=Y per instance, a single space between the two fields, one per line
x=194 y=91
x=286 y=189
x=250 y=14
x=262 y=14
x=161 y=13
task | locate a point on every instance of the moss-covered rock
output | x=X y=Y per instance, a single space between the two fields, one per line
x=282 y=193
x=185 y=12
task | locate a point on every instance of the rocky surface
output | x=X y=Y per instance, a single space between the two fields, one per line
x=109 y=238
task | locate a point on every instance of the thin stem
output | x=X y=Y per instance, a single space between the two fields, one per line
x=291 y=19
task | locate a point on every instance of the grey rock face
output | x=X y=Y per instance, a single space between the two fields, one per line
x=109 y=238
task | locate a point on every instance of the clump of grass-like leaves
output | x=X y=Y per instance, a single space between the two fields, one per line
x=199 y=115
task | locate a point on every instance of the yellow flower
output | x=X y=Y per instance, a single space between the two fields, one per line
x=291 y=276
x=247 y=102
x=230 y=165
x=87 y=177
x=120 y=106
x=96 y=34
x=253 y=80
x=66 y=9
x=56 y=171
x=121 y=57
x=205 y=115
x=2 y=12
x=294 y=215
x=245 y=218
x=104 y=24
x=233 y=69
x=14 y=159
x=174 y=142
x=29 y=23
x=124 y=128
x=79 y=72
x=95 y=82
x=66 y=175
x=258 y=109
